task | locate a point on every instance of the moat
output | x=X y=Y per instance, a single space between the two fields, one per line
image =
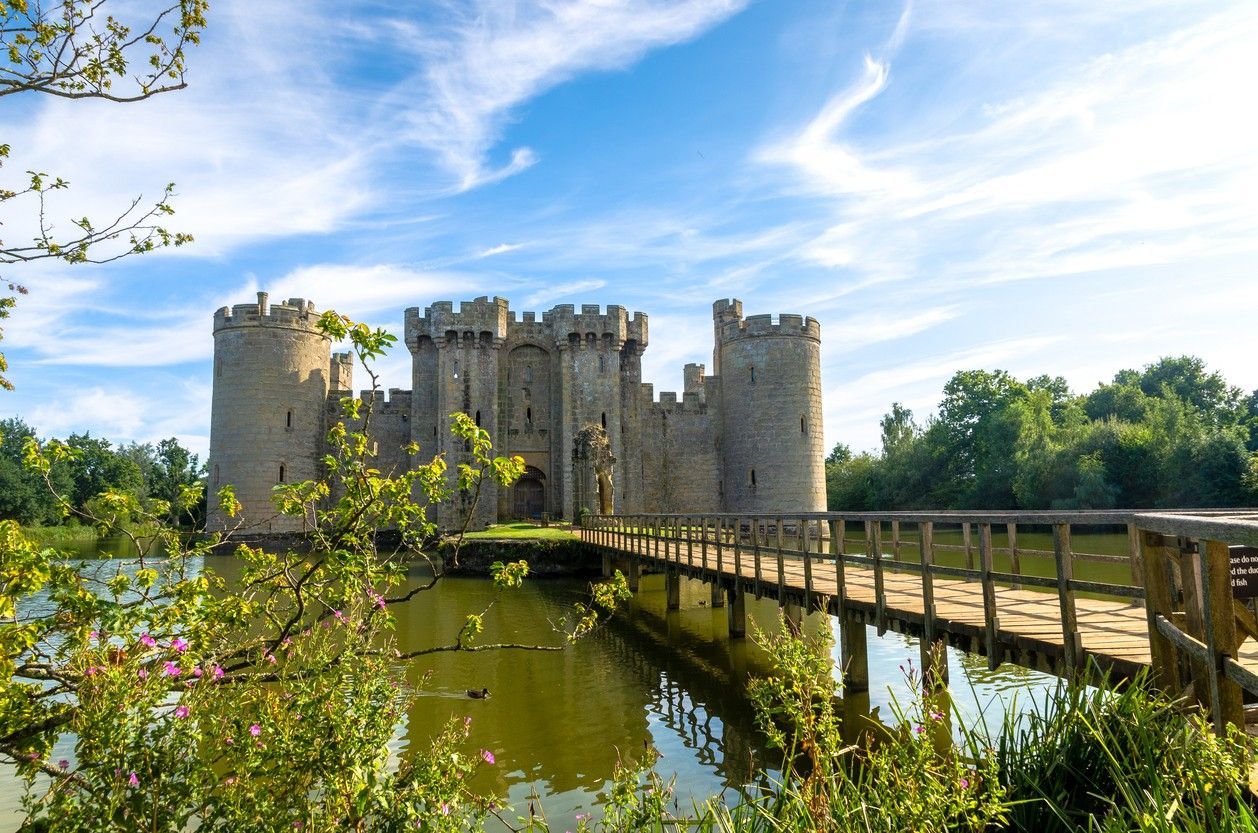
x=555 y=722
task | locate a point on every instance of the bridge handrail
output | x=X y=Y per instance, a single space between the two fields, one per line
x=1179 y=563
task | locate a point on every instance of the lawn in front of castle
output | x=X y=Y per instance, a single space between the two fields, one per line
x=524 y=530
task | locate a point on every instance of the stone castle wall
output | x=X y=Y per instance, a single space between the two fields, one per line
x=267 y=414
x=773 y=450
x=536 y=384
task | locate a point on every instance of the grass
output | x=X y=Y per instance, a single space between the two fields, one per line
x=60 y=534
x=524 y=531
x=1089 y=760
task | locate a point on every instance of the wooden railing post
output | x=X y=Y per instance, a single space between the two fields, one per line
x=808 y=563
x=719 y=531
x=969 y=549
x=781 y=566
x=838 y=530
x=991 y=617
x=703 y=544
x=1015 y=561
x=934 y=659
x=1137 y=565
x=755 y=552
x=738 y=551
x=1072 y=643
x=690 y=543
x=873 y=531
x=895 y=540
x=1220 y=632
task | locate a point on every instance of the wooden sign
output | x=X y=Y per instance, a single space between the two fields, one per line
x=1244 y=570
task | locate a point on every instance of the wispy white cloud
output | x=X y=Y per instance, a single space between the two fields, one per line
x=360 y=291
x=127 y=416
x=854 y=333
x=480 y=60
x=569 y=289
x=500 y=249
x=1132 y=157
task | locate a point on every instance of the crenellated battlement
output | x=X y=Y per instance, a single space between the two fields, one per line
x=757 y=326
x=396 y=401
x=614 y=324
x=690 y=403
x=480 y=315
x=294 y=314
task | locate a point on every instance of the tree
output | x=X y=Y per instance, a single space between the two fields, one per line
x=98 y=468
x=76 y=49
x=24 y=497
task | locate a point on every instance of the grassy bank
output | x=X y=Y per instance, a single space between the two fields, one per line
x=53 y=535
x=524 y=531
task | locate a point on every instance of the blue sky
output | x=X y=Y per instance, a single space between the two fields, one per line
x=1061 y=187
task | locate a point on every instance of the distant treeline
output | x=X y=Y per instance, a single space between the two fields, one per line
x=1170 y=435
x=142 y=469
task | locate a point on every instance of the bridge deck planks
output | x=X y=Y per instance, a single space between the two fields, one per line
x=1115 y=632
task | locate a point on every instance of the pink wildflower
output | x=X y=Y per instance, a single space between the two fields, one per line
x=445 y=809
x=179 y=645
x=91 y=670
x=255 y=730
x=227 y=740
x=181 y=712
x=218 y=671
x=63 y=763
x=133 y=780
x=340 y=617
x=93 y=634
x=172 y=670
x=919 y=729
x=271 y=658
x=143 y=673
x=488 y=756
x=148 y=641
x=965 y=782
x=196 y=671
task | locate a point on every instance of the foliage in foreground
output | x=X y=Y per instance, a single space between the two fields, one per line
x=264 y=706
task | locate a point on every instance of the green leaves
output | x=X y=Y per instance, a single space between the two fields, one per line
x=507 y=576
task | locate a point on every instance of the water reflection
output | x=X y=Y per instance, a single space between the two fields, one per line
x=557 y=722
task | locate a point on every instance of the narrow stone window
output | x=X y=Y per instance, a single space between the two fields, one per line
x=216 y=474
x=456 y=369
x=528 y=374
x=528 y=416
x=288 y=420
x=604 y=420
x=478 y=419
x=218 y=368
x=753 y=374
x=602 y=364
x=281 y=472
x=803 y=425
x=753 y=478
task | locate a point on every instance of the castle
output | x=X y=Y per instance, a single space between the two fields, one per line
x=564 y=392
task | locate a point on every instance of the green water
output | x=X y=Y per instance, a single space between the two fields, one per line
x=556 y=721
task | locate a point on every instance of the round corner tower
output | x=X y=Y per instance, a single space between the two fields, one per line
x=771 y=412
x=271 y=367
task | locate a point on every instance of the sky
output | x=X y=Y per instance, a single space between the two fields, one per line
x=1064 y=187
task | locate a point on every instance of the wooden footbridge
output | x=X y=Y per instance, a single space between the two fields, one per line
x=1166 y=590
